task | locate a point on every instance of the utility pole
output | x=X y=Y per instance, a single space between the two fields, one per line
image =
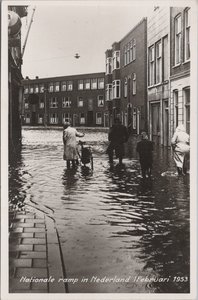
x=25 y=42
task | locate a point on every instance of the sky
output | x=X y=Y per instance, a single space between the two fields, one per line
x=62 y=29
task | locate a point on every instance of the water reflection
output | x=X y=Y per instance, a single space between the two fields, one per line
x=110 y=220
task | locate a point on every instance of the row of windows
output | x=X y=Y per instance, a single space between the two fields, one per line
x=66 y=102
x=178 y=37
x=86 y=84
x=186 y=95
x=130 y=52
x=54 y=118
x=113 y=91
x=113 y=63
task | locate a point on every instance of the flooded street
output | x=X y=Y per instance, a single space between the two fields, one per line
x=110 y=222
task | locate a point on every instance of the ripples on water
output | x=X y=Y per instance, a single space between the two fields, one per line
x=110 y=221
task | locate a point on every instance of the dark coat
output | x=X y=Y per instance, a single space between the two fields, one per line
x=145 y=148
x=118 y=135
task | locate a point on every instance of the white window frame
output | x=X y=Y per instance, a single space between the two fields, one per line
x=53 y=118
x=187 y=15
x=186 y=107
x=87 y=84
x=100 y=101
x=63 y=86
x=116 y=60
x=66 y=102
x=80 y=84
x=82 y=119
x=158 y=52
x=133 y=49
x=109 y=92
x=125 y=55
x=66 y=117
x=178 y=40
x=70 y=85
x=26 y=90
x=99 y=118
x=26 y=104
x=151 y=65
x=80 y=102
x=31 y=89
x=101 y=83
x=176 y=107
x=57 y=87
x=94 y=84
x=27 y=118
x=134 y=84
x=53 y=102
x=134 y=118
x=40 y=119
x=116 y=89
x=109 y=65
x=41 y=103
x=51 y=87
x=36 y=89
x=41 y=88
x=125 y=87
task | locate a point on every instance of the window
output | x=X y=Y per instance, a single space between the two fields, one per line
x=26 y=104
x=134 y=83
x=187 y=108
x=87 y=84
x=187 y=33
x=51 y=87
x=125 y=87
x=41 y=103
x=26 y=90
x=125 y=55
x=178 y=39
x=116 y=89
x=41 y=88
x=57 y=87
x=100 y=83
x=109 y=65
x=66 y=117
x=80 y=84
x=116 y=60
x=53 y=118
x=94 y=84
x=80 y=102
x=63 y=86
x=82 y=118
x=27 y=118
x=151 y=65
x=134 y=118
x=98 y=118
x=31 y=89
x=128 y=53
x=131 y=52
x=133 y=49
x=66 y=102
x=40 y=119
x=69 y=85
x=53 y=102
x=165 y=59
x=109 y=92
x=158 y=62
x=100 y=101
x=175 y=100
x=36 y=88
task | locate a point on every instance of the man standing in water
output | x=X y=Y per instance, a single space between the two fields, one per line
x=145 y=148
x=70 y=144
x=118 y=135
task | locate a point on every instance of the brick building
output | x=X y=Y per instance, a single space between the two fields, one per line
x=180 y=67
x=126 y=79
x=77 y=98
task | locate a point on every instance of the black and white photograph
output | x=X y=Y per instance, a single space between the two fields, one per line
x=99 y=149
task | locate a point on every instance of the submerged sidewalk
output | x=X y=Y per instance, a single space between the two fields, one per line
x=35 y=264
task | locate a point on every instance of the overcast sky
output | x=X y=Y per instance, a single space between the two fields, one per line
x=88 y=28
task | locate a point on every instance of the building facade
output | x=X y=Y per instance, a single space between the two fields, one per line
x=79 y=99
x=15 y=89
x=158 y=39
x=180 y=68
x=126 y=79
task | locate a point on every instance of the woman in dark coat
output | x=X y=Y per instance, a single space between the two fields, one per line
x=145 y=148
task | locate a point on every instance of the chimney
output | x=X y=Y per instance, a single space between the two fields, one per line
x=37 y=77
x=26 y=77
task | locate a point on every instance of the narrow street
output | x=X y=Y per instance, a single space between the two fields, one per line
x=109 y=221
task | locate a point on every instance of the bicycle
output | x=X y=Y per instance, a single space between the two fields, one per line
x=85 y=154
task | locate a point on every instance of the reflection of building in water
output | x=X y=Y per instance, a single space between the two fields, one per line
x=77 y=98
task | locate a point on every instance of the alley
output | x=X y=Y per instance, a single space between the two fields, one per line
x=109 y=221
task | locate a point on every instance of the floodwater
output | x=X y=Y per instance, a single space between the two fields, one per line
x=112 y=225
